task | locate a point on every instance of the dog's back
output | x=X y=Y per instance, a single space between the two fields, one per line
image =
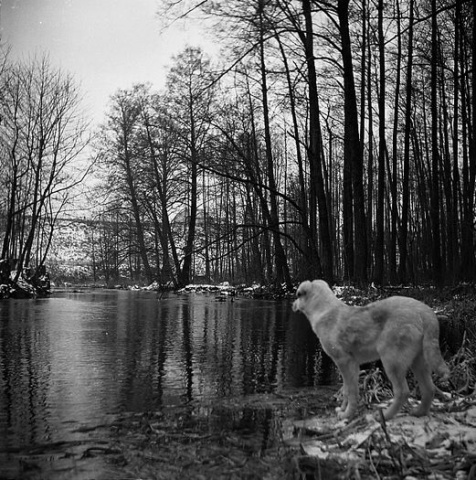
x=403 y=311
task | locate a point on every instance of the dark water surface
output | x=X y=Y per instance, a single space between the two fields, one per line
x=68 y=361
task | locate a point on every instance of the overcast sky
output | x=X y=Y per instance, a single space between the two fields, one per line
x=105 y=44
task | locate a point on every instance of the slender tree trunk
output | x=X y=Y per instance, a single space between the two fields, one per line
x=317 y=187
x=469 y=170
x=353 y=161
x=253 y=168
x=395 y=155
x=186 y=271
x=370 y=161
x=379 y=244
x=282 y=269
x=435 y=174
x=403 y=243
x=365 y=96
x=448 y=233
x=136 y=210
x=310 y=246
x=456 y=182
x=10 y=216
x=256 y=263
x=164 y=232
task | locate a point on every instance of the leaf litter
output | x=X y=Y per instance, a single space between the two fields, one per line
x=294 y=434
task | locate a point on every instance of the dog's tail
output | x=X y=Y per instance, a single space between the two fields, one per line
x=431 y=349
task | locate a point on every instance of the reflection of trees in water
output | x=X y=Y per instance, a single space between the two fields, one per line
x=307 y=364
x=129 y=351
x=187 y=350
x=23 y=378
x=201 y=349
x=144 y=353
x=263 y=348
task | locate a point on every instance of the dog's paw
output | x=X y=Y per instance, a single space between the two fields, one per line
x=420 y=411
x=345 y=414
x=341 y=415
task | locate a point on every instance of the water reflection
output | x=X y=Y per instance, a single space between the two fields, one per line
x=67 y=361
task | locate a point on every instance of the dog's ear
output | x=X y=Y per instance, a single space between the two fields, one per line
x=303 y=289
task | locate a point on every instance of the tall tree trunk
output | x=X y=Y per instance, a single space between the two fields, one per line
x=317 y=188
x=448 y=233
x=403 y=241
x=469 y=169
x=136 y=212
x=282 y=269
x=253 y=169
x=310 y=244
x=353 y=161
x=370 y=161
x=10 y=215
x=435 y=174
x=164 y=232
x=186 y=271
x=395 y=155
x=379 y=244
x=456 y=176
x=365 y=100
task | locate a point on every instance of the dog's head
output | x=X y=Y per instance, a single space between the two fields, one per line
x=310 y=295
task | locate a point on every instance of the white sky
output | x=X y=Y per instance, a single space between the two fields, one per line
x=105 y=44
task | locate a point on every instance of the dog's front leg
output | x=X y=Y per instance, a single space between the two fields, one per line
x=345 y=399
x=350 y=375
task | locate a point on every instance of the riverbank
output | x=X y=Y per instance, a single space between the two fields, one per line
x=294 y=435
x=28 y=283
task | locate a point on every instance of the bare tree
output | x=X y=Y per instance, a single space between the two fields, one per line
x=353 y=161
x=123 y=153
x=190 y=94
x=42 y=136
x=379 y=243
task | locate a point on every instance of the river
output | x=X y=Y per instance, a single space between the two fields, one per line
x=70 y=360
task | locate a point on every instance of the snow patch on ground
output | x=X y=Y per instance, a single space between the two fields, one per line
x=443 y=442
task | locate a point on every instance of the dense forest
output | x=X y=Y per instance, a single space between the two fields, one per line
x=329 y=139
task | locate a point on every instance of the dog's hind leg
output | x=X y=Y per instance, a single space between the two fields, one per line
x=422 y=373
x=397 y=376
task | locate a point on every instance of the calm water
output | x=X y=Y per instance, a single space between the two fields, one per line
x=68 y=361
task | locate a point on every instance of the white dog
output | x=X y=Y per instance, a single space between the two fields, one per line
x=402 y=332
